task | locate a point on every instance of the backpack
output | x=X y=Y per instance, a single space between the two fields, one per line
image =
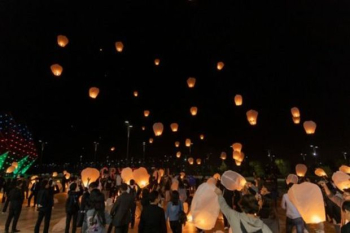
x=94 y=225
x=72 y=204
x=245 y=231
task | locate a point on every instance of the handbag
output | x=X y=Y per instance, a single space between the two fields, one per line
x=81 y=216
x=182 y=218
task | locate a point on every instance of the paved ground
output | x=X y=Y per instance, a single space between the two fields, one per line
x=29 y=215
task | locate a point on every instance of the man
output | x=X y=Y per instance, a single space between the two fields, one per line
x=121 y=210
x=346 y=209
x=152 y=217
x=16 y=198
x=86 y=205
x=34 y=192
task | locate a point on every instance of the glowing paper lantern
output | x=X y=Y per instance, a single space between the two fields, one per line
x=157 y=61
x=240 y=157
x=146 y=113
x=307 y=198
x=161 y=172
x=201 y=136
x=300 y=170
x=236 y=155
x=54 y=174
x=67 y=176
x=141 y=177
x=182 y=175
x=178 y=154
x=295 y=112
x=217 y=176
x=177 y=144
x=223 y=155
x=310 y=127
x=205 y=207
x=220 y=65
x=10 y=169
x=56 y=69
x=252 y=117
x=127 y=175
x=136 y=93
x=93 y=92
x=237 y=147
x=143 y=128
x=233 y=180
x=238 y=100
x=15 y=164
x=193 y=111
x=190 y=160
x=89 y=175
x=113 y=148
x=191 y=82
x=345 y=169
x=174 y=127
x=65 y=172
x=119 y=46
x=158 y=128
x=296 y=120
x=62 y=41
x=341 y=180
x=238 y=163
x=151 y=140
x=188 y=142
x=292 y=178
x=320 y=172
x=198 y=161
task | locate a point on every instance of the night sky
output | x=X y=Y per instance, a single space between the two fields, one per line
x=277 y=55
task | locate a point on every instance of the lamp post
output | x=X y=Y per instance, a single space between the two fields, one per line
x=303 y=155
x=42 y=144
x=128 y=139
x=314 y=152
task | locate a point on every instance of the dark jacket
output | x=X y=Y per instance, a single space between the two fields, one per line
x=85 y=201
x=121 y=209
x=152 y=220
x=46 y=197
x=72 y=203
x=16 y=198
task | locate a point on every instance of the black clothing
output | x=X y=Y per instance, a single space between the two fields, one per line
x=152 y=220
x=15 y=198
x=346 y=228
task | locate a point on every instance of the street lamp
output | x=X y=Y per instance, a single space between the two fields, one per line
x=314 y=153
x=303 y=155
x=128 y=139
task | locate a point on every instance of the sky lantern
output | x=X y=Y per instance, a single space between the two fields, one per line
x=151 y=140
x=127 y=175
x=193 y=111
x=296 y=120
x=143 y=128
x=345 y=169
x=93 y=92
x=119 y=46
x=15 y=164
x=158 y=128
x=182 y=175
x=141 y=177
x=201 y=136
x=62 y=41
x=190 y=160
x=178 y=154
x=220 y=65
x=300 y=170
x=238 y=163
x=56 y=69
x=10 y=169
x=146 y=113
x=223 y=155
x=198 y=161
x=310 y=127
x=217 y=176
x=54 y=174
x=191 y=82
x=237 y=147
x=236 y=155
x=320 y=172
x=177 y=144
x=295 y=112
x=157 y=61
x=174 y=127
x=67 y=176
x=292 y=178
x=238 y=100
x=188 y=142
x=252 y=117
x=89 y=175
x=307 y=198
x=113 y=148
x=65 y=172
x=136 y=93
x=341 y=180
x=240 y=157
x=233 y=180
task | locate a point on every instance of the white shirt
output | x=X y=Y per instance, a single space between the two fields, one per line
x=292 y=211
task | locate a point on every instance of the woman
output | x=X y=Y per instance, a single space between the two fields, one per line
x=144 y=199
x=97 y=217
x=268 y=213
x=173 y=209
x=248 y=221
x=72 y=206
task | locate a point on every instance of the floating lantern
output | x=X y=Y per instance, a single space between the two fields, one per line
x=15 y=164
x=158 y=128
x=198 y=161
x=233 y=180
x=238 y=100
x=136 y=93
x=56 y=69
x=295 y=112
x=188 y=142
x=296 y=120
x=300 y=170
x=190 y=160
x=292 y=178
x=238 y=163
x=201 y=136
x=62 y=41
x=67 y=176
x=113 y=148
x=174 y=127
x=240 y=157
x=191 y=82
x=65 y=172
x=89 y=175
x=237 y=147
x=127 y=175
x=217 y=176
x=310 y=127
x=182 y=175
x=345 y=169
x=307 y=198
x=141 y=177
x=54 y=174
x=236 y=155
x=220 y=65
x=252 y=117
x=223 y=155
x=178 y=154
x=143 y=128
x=146 y=113
x=10 y=169
x=93 y=92
x=341 y=180
x=119 y=46
x=320 y=172
x=151 y=140
x=194 y=111
x=157 y=61
x=177 y=144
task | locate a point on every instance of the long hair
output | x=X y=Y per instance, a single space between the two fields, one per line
x=249 y=204
x=98 y=204
x=175 y=197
